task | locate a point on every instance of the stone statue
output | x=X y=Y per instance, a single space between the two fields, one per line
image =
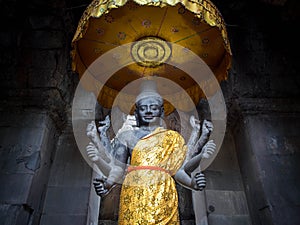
x=158 y=157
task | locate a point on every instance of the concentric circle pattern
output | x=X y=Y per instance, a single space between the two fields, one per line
x=150 y=52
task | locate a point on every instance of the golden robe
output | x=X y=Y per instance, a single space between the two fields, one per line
x=149 y=195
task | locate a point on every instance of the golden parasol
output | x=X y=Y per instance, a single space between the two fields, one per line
x=106 y=24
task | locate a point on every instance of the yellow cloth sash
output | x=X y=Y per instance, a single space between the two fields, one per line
x=148 y=193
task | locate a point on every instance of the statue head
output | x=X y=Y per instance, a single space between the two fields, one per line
x=149 y=105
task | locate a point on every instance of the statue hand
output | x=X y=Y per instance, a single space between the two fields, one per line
x=92 y=152
x=91 y=130
x=208 y=149
x=195 y=123
x=99 y=185
x=207 y=127
x=104 y=125
x=199 y=181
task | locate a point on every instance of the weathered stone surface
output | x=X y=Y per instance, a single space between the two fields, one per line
x=275 y=2
x=8 y=41
x=187 y=222
x=16 y=188
x=27 y=142
x=226 y=202
x=226 y=159
x=25 y=119
x=269 y=160
x=45 y=59
x=107 y=222
x=71 y=200
x=44 y=39
x=21 y=148
x=69 y=185
x=15 y=214
x=45 y=22
x=224 y=180
x=9 y=213
x=63 y=219
x=228 y=220
x=69 y=168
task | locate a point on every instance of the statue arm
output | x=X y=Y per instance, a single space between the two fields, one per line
x=94 y=154
x=118 y=165
x=108 y=160
x=103 y=128
x=101 y=149
x=193 y=138
x=194 y=181
x=207 y=151
x=121 y=155
x=96 y=151
x=207 y=128
x=197 y=149
x=197 y=182
x=196 y=143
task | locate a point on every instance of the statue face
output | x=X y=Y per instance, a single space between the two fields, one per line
x=149 y=111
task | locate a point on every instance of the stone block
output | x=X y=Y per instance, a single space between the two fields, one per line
x=187 y=222
x=7 y=58
x=7 y=79
x=63 y=219
x=51 y=99
x=69 y=167
x=24 y=137
x=40 y=77
x=228 y=220
x=20 y=149
x=226 y=202
x=250 y=171
x=15 y=214
x=8 y=214
x=268 y=149
x=8 y=39
x=28 y=119
x=25 y=153
x=44 y=59
x=223 y=180
x=106 y=222
x=16 y=188
x=45 y=22
x=225 y=159
x=287 y=213
x=44 y=39
x=45 y=70
x=41 y=176
x=224 y=172
x=66 y=200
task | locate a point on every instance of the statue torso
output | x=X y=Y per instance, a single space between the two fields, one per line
x=131 y=137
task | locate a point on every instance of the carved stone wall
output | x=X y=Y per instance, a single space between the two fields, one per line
x=265 y=109
x=36 y=89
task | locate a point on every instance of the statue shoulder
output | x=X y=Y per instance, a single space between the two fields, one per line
x=125 y=135
x=174 y=132
x=176 y=135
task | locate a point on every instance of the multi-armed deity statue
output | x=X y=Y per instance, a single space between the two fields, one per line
x=147 y=160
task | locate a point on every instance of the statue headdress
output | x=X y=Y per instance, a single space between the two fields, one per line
x=148 y=88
